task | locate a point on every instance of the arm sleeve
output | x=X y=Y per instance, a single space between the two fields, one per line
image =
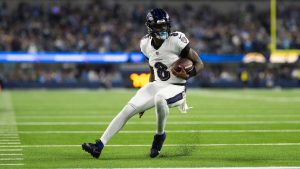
x=185 y=51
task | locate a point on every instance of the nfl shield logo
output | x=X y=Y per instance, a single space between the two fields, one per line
x=157 y=53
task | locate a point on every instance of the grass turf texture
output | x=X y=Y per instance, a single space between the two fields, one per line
x=61 y=117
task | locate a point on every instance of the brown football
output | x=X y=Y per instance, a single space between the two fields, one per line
x=187 y=64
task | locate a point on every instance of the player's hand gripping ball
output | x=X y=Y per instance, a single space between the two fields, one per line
x=182 y=67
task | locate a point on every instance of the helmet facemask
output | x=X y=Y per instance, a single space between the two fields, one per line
x=160 y=31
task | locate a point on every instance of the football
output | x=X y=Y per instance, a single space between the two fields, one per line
x=187 y=64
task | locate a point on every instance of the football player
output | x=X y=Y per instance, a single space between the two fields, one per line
x=167 y=86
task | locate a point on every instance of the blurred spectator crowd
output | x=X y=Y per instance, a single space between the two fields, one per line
x=97 y=26
x=253 y=75
x=60 y=73
x=214 y=75
x=104 y=27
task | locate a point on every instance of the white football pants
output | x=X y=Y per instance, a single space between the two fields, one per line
x=155 y=94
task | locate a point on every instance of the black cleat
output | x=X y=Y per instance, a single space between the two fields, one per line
x=157 y=144
x=93 y=149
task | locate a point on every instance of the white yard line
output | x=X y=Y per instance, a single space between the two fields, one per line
x=166 y=145
x=170 y=116
x=9 y=132
x=246 y=96
x=153 y=122
x=11 y=159
x=64 y=116
x=10 y=150
x=3 y=139
x=12 y=164
x=5 y=134
x=201 y=168
x=168 y=131
x=11 y=154
x=8 y=137
x=7 y=143
x=12 y=140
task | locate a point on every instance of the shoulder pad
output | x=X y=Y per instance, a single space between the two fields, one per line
x=181 y=36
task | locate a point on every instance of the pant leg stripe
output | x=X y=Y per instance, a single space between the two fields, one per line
x=175 y=98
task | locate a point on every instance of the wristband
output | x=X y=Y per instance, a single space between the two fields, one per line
x=193 y=72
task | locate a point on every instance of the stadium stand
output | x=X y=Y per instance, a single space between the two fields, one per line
x=96 y=26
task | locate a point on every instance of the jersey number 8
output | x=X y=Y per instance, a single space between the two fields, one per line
x=162 y=72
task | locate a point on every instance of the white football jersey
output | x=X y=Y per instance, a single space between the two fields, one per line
x=162 y=58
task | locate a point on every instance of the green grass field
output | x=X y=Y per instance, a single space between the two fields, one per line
x=225 y=128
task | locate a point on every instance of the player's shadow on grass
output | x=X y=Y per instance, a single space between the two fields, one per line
x=128 y=157
x=167 y=153
x=242 y=158
x=178 y=152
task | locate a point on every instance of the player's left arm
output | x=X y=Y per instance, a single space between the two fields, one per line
x=192 y=55
x=198 y=64
x=185 y=51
